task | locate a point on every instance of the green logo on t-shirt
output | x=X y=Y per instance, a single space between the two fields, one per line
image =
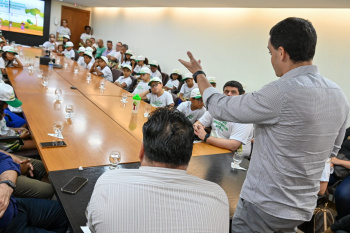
x=221 y=125
x=190 y=117
x=157 y=103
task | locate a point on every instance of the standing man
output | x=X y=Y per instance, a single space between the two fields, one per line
x=300 y=120
x=86 y=35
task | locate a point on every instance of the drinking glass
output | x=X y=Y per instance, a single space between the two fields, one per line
x=58 y=127
x=40 y=73
x=88 y=76
x=76 y=69
x=65 y=65
x=147 y=110
x=237 y=159
x=45 y=81
x=124 y=97
x=31 y=64
x=115 y=157
x=102 y=83
x=69 y=111
x=58 y=93
x=58 y=60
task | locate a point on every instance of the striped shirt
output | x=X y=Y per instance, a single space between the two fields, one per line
x=154 y=199
x=300 y=120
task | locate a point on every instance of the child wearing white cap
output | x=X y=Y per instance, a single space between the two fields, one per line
x=124 y=81
x=81 y=52
x=141 y=62
x=193 y=109
x=143 y=85
x=187 y=87
x=173 y=83
x=127 y=60
x=69 y=52
x=87 y=60
x=156 y=95
x=100 y=68
x=155 y=69
x=9 y=59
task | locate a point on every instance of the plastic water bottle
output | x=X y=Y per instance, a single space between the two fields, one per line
x=50 y=65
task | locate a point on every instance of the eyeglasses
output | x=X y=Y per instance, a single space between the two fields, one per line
x=154 y=85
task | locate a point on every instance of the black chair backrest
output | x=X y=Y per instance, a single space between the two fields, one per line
x=76 y=55
x=133 y=84
x=116 y=74
x=165 y=78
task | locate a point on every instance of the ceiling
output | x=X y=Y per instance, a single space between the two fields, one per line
x=215 y=3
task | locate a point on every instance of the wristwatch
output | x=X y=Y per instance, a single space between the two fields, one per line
x=196 y=74
x=206 y=137
x=9 y=183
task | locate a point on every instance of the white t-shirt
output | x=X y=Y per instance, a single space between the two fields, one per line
x=3 y=64
x=80 y=60
x=229 y=130
x=63 y=31
x=70 y=54
x=160 y=101
x=49 y=45
x=193 y=116
x=138 y=68
x=327 y=171
x=172 y=83
x=122 y=80
x=187 y=91
x=107 y=73
x=116 y=54
x=4 y=130
x=87 y=66
x=85 y=36
x=156 y=74
x=126 y=63
x=141 y=87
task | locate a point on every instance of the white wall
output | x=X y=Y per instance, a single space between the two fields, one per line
x=231 y=42
x=56 y=9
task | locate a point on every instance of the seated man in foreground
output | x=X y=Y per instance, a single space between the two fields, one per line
x=160 y=196
x=227 y=135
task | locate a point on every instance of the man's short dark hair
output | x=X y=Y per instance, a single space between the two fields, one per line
x=234 y=84
x=87 y=27
x=168 y=137
x=109 y=41
x=125 y=46
x=297 y=36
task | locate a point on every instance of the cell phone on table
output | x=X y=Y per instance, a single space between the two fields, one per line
x=73 y=186
x=52 y=144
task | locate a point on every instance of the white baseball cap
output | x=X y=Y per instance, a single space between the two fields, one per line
x=105 y=59
x=81 y=50
x=88 y=53
x=187 y=76
x=66 y=36
x=127 y=66
x=196 y=94
x=8 y=95
x=69 y=44
x=89 y=49
x=155 y=79
x=132 y=58
x=145 y=70
x=128 y=52
x=141 y=58
x=9 y=49
x=212 y=79
x=175 y=71
x=153 y=63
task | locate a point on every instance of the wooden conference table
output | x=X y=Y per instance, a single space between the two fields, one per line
x=101 y=123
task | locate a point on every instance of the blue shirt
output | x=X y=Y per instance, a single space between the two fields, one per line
x=16 y=121
x=7 y=163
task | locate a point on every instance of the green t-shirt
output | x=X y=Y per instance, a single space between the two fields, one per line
x=99 y=51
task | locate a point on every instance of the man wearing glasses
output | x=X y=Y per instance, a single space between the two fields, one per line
x=227 y=135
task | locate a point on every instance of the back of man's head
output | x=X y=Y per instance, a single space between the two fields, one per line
x=297 y=36
x=168 y=138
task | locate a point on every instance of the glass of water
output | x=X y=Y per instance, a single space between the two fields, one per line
x=65 y=65
x=58 y=127
x=45 y=81
x=58 y=60
x=102 y=83
x=31 y=64
x=88 y=76
x=69 y=111
x=40 y=73
x=115 y=157
x=58 y=93
x=124 y=97
x=237 y=159
x=76 y=69
x=148 y=109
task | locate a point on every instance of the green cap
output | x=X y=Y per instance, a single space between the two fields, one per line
x=136 y=97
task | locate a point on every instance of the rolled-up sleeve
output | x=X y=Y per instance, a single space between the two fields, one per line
x=261 y=107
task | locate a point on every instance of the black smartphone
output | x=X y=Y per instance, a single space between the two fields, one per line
x=73 y=186
x=52 y=144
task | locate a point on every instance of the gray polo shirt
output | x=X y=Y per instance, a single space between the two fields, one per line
x=300 y=120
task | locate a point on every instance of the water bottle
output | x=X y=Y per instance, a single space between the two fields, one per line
x=50 y=65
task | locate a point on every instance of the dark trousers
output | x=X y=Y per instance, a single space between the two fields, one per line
x=342 y=196
x=38 y=216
